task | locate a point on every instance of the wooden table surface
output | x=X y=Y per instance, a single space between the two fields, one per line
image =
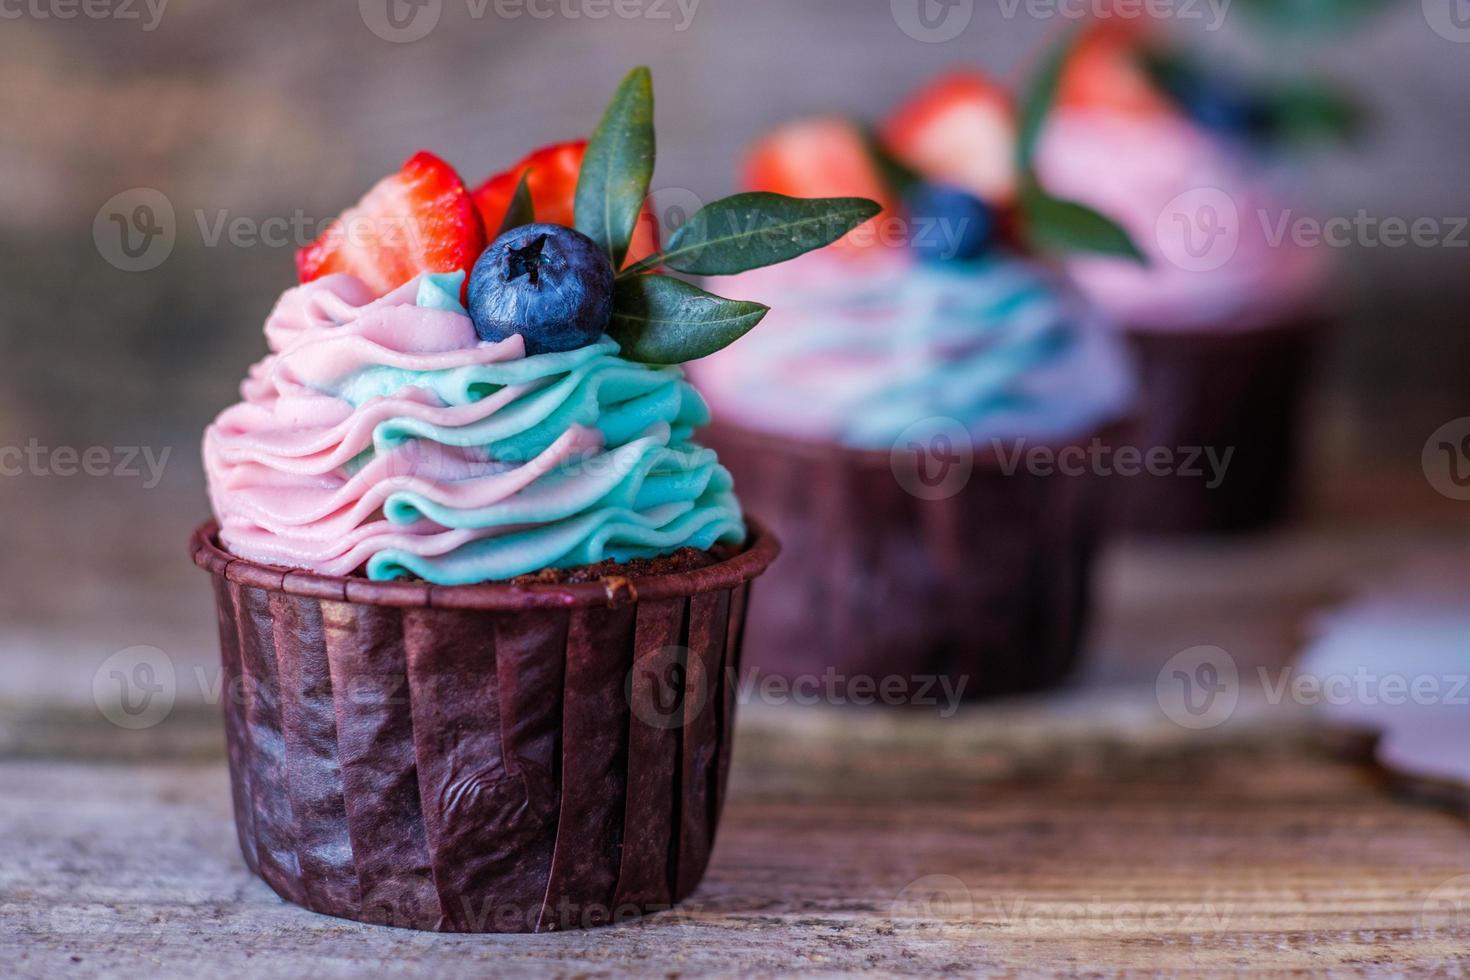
x=1081 y=833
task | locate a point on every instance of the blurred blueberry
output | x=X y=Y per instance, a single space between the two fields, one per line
x=549 y=283
x=947 y=223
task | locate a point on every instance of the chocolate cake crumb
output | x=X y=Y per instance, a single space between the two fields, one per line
x=683 y=560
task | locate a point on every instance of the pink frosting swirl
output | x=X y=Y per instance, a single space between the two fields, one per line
x=1205 y=221
x=280 y=463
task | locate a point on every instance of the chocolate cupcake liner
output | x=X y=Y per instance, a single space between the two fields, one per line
x=1227 y=390
x=484 y=758
x=988 y=585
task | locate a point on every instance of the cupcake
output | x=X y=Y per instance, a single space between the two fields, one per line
x=902 y=420
x=1225 y=316
x=480 y=591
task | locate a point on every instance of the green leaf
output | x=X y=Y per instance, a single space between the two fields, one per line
x=1307 y=111
x=662 y=320
x=1052 y=223
x=1311 y=16
x=747 y=231
x=520 y=211
x=1038 y=98
x=618 y=167
x=897 y=176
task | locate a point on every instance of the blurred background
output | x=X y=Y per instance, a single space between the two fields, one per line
x=227 y=128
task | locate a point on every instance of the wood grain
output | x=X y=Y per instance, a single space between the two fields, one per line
x=1077 y=834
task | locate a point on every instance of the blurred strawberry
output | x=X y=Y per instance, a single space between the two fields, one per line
x=1105 y=72
x=420 y=219
x=553 y=186
x=959 y=130
x=824 y=157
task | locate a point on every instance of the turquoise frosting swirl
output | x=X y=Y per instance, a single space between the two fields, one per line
x=557 y=460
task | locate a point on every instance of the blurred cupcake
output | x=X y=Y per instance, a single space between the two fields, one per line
x=901 y=417
x=1224 y=317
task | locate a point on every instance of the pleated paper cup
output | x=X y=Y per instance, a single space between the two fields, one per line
x=482 y=758
x=1228 y=390
x=985 y=583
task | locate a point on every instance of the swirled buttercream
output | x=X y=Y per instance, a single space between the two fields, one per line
x=857 y=350
x=1204 y=216
x=382 y=435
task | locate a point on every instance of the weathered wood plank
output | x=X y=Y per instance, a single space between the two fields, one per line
x=1023 y=839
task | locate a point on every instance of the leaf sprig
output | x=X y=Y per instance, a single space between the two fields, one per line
x=658 y=319
x=1050 y=222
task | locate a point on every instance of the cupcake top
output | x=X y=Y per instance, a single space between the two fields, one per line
x=431 y=407
x=937 y=308
x=857 y=351
x=1170 y=151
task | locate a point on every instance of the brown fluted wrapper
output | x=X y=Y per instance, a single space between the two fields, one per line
x=482 y=758
x=1224 y=389
x=991 y=584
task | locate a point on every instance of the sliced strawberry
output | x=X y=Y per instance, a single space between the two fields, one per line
x=959 y=129
x=420 y=219
x=553 y=186
x=822 y=157
x=1104 y=73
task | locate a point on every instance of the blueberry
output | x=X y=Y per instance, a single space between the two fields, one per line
x=947 y=223
x=1222 y=105
x=548 y=283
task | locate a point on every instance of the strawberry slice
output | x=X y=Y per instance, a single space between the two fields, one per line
x=553 y=186
x=1103 y=73
x=960 y=129
x=821 y=157
x=420 y=219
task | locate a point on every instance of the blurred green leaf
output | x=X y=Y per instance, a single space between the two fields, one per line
x=1054 y=224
